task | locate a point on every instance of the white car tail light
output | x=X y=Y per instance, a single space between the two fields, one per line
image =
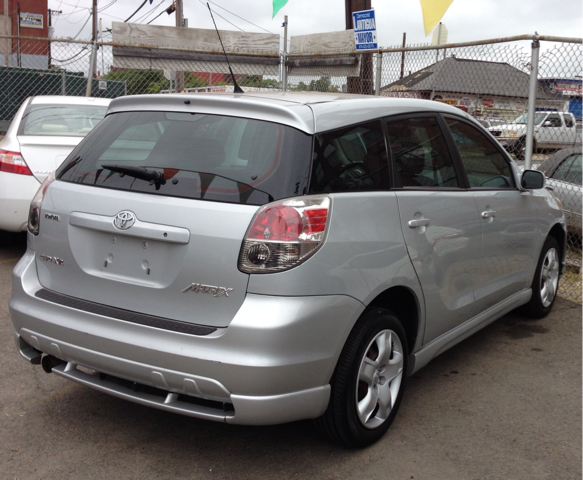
x=12 y=162
x=34 y=212
x=284 y=234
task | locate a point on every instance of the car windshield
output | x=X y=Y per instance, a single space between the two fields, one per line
x=522 y=120
x=57 y=120
x=199 y=156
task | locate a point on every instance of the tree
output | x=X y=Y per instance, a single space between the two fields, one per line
x=140 y=81
x=323 y=84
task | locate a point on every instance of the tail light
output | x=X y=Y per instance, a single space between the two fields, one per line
x=284 y=234
x=34 y=212
x=12 y=162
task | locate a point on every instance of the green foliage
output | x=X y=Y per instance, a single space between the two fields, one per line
x=192 y=80
x=258 y=81
x=323 y=84
x=140 y=81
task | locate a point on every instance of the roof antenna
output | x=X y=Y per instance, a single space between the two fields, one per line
x=236 y=87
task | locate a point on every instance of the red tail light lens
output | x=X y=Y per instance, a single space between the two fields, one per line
x=35 y=205
x=284 y=234
x=12 y=162
x=278 y=223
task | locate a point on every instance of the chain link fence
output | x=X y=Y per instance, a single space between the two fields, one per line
x=489 y=80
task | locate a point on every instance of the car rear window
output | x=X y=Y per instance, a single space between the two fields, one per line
x=57 y=120
x=198 y=156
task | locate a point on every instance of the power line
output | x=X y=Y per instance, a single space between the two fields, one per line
x=71 y=58
x=155 y=17
x=138 y=9
x=88 y=18
x=244 y=19
x=149 y=12
x=224 y=18
x=107 y=6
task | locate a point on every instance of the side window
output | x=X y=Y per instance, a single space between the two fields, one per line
x=350 y=159
x=569 y=170
x=569 y=121
x=555 y=120
x=420 y=153
x=485 y=166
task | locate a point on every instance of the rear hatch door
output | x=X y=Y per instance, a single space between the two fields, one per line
x=168 y=257
x=150 y=211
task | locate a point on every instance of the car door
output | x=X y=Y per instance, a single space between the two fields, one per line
x=565 y=180
x=439 y=219
x=551 y=130
x=508 y=217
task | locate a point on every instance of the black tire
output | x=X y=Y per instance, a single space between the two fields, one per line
x=546 y=281
x=364 y=372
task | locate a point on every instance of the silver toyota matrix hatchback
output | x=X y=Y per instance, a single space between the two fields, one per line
x=263 y=258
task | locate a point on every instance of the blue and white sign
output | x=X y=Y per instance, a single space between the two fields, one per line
x=365 y=30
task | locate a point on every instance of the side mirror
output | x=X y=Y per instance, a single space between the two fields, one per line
x=532 y=180
x=547 y=123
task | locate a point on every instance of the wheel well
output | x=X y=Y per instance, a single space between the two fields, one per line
x=403 y=303
x=558 y=233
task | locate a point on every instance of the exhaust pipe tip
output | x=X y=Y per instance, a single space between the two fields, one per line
x=48 y=362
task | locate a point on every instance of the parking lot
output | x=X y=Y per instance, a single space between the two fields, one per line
x=503 y=404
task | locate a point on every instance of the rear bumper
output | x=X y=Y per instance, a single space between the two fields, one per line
x=272 y=364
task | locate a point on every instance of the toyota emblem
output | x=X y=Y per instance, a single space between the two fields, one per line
x=124 y=220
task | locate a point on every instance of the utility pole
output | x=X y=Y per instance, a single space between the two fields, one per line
x=179 y=24
x=363 y=83
x=50 y=27
x=93 y=58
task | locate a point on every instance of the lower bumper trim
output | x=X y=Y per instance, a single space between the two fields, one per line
x=147 y=395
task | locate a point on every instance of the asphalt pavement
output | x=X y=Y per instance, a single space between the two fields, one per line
x=504 y=404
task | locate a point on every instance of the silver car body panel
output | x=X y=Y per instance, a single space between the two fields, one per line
x=147 y=267
x=275 y=339
x=274 y=346
x=310 y=112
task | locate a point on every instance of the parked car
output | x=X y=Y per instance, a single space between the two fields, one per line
x=563 y=170
x=490 y=122
x=269 y=257
x=43 y=132
x=552 y=130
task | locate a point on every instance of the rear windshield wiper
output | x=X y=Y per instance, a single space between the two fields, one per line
x=142 y=173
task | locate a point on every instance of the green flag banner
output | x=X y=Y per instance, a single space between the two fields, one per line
x=277 y=5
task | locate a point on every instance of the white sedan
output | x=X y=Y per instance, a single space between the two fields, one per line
x=43 y=132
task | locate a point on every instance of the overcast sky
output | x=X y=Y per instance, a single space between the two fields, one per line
x=466 y=20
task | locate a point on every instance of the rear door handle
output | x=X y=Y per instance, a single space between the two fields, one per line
x=418 y=222
x=489 y=214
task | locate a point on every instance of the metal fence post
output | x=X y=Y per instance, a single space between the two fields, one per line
x=377 y=88
x=532 y=101
x=284 y=56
